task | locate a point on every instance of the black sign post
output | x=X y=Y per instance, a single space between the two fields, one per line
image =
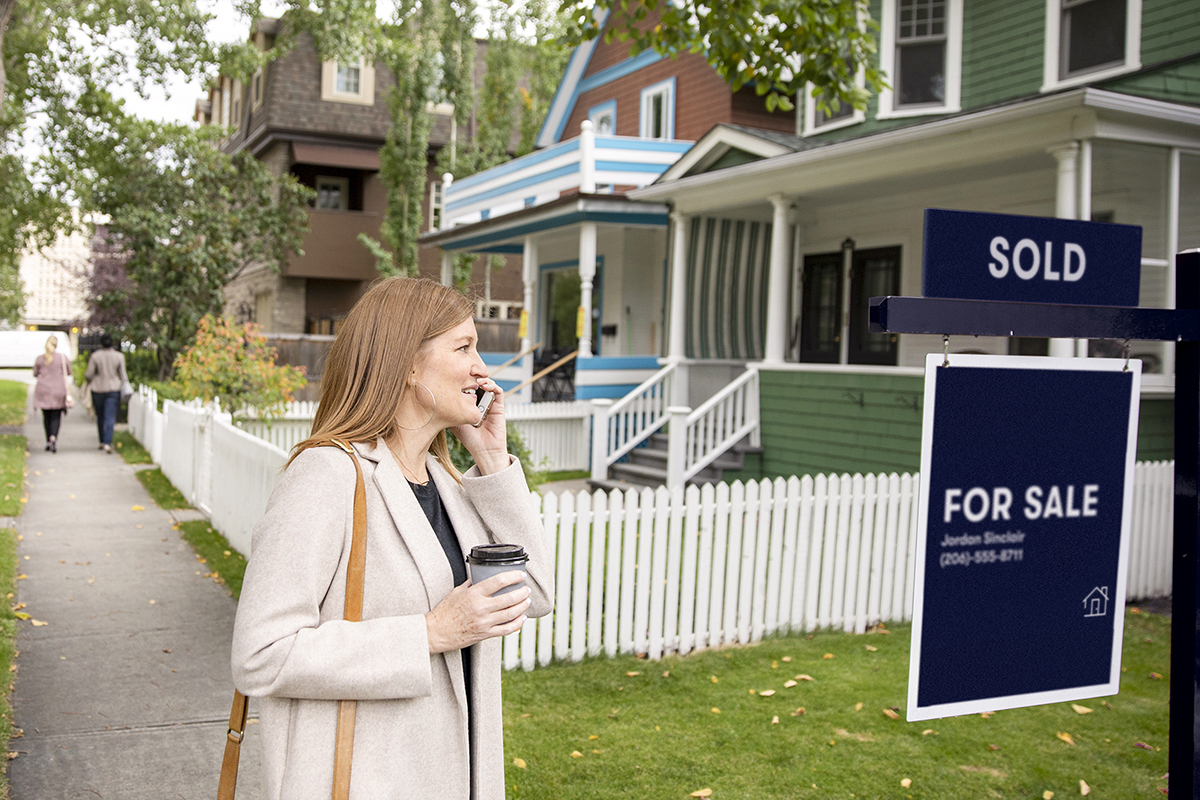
x=1180 y=325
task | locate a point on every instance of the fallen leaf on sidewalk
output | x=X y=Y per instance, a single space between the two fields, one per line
x=21 y=615
x=135 y=508
x=22 y=576
x=37 y=623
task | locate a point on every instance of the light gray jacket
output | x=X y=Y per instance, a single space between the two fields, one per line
x=292 y=648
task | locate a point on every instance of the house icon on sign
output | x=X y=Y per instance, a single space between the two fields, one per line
x=1096 y=603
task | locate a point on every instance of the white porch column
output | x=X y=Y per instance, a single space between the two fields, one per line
x=1174 y=165
x=677 y=332
x=777 y=282
x=1084 y=211
x=587 y=158
x=447 y=180
x=529 y=276
x=1066 y=206
x=587 y=274
x=447 y=268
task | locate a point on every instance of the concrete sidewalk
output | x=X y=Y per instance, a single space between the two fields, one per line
x=125 y=691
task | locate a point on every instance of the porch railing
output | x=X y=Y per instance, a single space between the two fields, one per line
x=618 y=427
x=712 y=429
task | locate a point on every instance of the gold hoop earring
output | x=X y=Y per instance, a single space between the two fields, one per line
x=432 y=413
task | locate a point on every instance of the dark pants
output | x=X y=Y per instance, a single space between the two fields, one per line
x=105 y=405
x=51 y=418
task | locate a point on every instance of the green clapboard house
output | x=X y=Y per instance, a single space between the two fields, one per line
x=743 y=269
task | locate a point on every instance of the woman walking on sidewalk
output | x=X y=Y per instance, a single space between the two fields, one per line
x=52 y=392
x=105 y=375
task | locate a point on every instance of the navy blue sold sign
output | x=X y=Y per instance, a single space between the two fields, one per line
x=1025 y=507
x=974 y=256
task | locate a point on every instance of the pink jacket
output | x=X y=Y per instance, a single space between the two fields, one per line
x=52 y=380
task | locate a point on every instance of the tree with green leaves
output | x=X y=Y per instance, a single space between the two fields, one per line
x=187 y=218
x=61 y=62
x=779 y=46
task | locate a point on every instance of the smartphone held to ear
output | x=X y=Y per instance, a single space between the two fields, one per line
x=483 y=403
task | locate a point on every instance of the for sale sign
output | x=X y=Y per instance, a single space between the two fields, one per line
x=1026 y=493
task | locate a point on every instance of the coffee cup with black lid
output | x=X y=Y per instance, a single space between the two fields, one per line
x=487 y=560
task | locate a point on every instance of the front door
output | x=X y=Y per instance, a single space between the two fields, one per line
x=823 y=323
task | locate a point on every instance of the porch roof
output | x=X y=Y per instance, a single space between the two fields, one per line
x=505 y=234
x=963 y=141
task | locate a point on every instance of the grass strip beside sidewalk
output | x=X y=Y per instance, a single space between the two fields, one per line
x=12 y=474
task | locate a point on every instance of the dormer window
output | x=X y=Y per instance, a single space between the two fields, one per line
x=349 y=78
x=604 y=118
x=352 y=82
x=1088 y=40
x=658 y=111
x=921 y=50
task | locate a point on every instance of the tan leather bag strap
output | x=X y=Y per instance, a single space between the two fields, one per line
x=344 y=747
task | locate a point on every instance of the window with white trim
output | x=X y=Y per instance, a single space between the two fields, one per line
x=604 y=118
x=348 y=80
x=256 y=90
x=657 y=120
x=1091 y=39
x=840 y=114
x=237 y=106
x=921 y=50
x=333 y=193
x=436 y=205
x=920 y=66
x=348 y=83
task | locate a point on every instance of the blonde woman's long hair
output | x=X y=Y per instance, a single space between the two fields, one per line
x=365 y=376
x=51 y=346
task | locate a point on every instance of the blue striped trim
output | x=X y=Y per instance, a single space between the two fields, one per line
x=509 y=188
x=614 y=391
x=616 y=362
x=650 y=145
x=619 y=70
x=631 y=166
x=483 y=239
x=492 y=359
x=512 y=166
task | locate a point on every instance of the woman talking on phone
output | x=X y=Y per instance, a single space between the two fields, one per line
x=424 y=662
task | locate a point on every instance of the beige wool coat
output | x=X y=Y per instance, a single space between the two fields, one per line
x=293 y=649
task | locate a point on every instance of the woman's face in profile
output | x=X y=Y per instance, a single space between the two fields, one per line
x=450 y=366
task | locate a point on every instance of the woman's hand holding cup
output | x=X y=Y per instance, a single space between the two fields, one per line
x=472 y=613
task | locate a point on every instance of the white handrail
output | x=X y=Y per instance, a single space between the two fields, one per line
x=638 y=415
x=719 y=423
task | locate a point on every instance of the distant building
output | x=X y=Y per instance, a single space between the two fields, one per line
x=324 y=123
x=55 y=283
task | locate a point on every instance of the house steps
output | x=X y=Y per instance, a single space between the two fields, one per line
x=647 y=466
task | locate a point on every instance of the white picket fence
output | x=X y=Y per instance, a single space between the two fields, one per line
x=663 y=571
x=556 y=434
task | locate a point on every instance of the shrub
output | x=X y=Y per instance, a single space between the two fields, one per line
x=234 y=365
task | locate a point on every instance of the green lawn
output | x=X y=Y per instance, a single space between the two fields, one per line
x=130 y=448
x=12 y=402
x=12 y=474
x=636 y=729
x=161 y=490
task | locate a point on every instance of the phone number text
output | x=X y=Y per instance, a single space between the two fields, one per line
x=965 y=558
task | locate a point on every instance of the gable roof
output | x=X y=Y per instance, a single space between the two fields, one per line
x=725 y=139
